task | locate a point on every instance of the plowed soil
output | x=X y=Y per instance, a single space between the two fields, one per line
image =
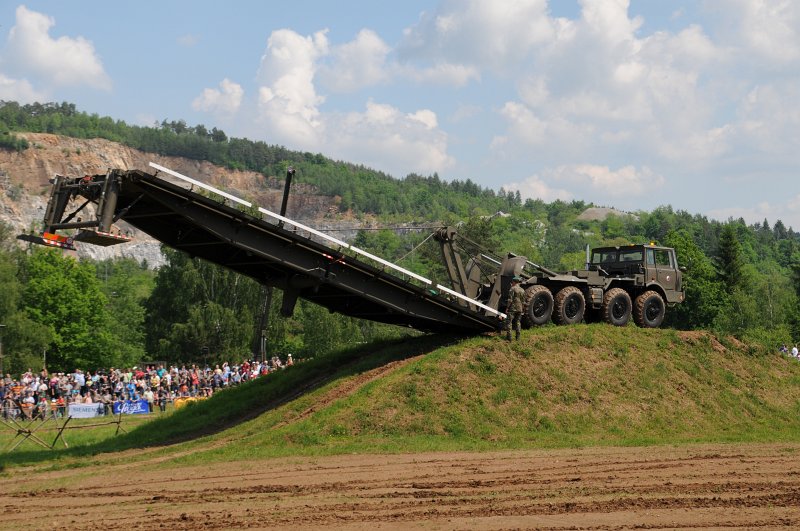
x=708 y=487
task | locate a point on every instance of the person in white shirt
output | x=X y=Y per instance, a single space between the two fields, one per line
x=794 y=351
x=150 y=396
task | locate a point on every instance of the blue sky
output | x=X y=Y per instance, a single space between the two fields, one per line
x=632 y=104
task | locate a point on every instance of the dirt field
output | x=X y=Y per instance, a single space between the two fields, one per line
x=710 y=487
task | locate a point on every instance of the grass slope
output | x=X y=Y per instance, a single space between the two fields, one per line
x=559 y=386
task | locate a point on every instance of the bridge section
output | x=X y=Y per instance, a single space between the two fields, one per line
x=211 y=224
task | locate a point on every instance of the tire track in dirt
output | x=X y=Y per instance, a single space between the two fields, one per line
x=690 y=488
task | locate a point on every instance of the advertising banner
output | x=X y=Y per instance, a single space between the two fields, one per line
x=131 y=407
x=86 y=411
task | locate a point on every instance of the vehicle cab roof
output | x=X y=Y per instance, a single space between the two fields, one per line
x=635 y=246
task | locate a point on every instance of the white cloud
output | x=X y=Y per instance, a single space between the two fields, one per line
x=19 y=90
x=624 y=182
x=767 y=125
x=476 y=33
x=533 y=90
x=226 y=100
x=357 y=64
x=443 y=74
x=597 y=87
x=425 y=117
x=596 y=74
x=610 y=19
x=64 y=61
x=535 y=188
x=287 y=99
x=385 y=138
x=381 y=136
x=365 y=61
x=599 y=183
x=524 y=125
x=766 y=33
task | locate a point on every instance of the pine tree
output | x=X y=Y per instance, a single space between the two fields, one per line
x=730 y=260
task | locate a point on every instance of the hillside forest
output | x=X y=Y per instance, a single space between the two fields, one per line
x=741 y=279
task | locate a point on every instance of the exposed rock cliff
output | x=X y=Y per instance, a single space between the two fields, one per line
x=24 y=187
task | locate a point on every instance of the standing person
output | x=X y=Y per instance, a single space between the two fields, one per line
x=80 y=381
x=794 y=351
x=516 y=297
x=150 y=396
x=163 y=395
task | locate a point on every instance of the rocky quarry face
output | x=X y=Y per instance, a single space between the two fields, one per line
x=25 y=187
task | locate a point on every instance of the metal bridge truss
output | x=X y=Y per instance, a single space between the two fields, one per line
x=208 y=223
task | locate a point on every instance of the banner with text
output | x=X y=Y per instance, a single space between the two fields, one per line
x=86 y=411
x=132 y=407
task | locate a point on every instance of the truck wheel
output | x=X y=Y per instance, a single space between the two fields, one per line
x=538 y=306
x=616 y=307
x=649 y=310
x=568 y=306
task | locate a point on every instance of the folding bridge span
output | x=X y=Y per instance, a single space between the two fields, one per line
x=268 y=247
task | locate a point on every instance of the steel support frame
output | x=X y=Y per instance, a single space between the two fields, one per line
x=281 y=258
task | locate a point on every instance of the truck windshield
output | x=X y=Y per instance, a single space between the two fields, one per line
x=630 y=256
x=604 y=257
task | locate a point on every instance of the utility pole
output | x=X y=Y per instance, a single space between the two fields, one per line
x=260 y=349
x=290 y=171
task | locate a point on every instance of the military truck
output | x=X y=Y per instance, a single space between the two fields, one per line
x=618 y=283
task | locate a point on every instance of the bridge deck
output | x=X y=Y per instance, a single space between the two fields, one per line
x=279 y=252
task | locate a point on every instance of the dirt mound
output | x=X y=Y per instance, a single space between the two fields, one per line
x=702 y=336
x=601 y=213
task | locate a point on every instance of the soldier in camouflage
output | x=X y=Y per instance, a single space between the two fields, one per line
x=516 y=298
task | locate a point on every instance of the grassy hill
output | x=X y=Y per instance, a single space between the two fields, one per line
x=583 y=385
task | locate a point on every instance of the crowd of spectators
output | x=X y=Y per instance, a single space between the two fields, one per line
x=37 y=395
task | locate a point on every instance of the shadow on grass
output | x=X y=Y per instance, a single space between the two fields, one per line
x=247 y=401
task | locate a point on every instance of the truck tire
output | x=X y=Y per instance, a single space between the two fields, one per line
x=616 y=308
x=538 y=308
x=569 y=305
x=649 y=310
